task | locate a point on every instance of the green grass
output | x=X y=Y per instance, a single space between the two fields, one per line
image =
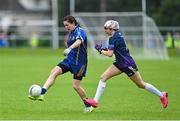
x=121 y=100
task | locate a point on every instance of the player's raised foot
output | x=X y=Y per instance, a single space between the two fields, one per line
x=40 y=98
x=164 y=99
x=92 y=102
x=31 y=97
x=88 y=109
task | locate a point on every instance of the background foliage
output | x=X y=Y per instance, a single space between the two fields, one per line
x=164 y=12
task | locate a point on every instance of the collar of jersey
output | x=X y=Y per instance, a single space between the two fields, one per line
x=74 y=29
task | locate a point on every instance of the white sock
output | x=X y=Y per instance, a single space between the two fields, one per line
x=154 y=90
x=100 y=90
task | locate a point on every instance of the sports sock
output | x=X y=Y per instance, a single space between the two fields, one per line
x=154 y=90
x=43 y=91
x=100 y=90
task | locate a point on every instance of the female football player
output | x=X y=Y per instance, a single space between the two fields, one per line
x=75 y=61
x=123 y=63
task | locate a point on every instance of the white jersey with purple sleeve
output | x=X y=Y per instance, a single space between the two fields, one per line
x=122 y=55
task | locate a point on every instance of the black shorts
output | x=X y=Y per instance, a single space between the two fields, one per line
x=66 y=69
x=129 y=71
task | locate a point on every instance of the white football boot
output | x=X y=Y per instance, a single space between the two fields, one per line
x=88 y=109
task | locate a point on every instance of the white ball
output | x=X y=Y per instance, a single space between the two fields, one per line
x=35 y=90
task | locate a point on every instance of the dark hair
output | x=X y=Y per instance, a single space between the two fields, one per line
x=70 y=19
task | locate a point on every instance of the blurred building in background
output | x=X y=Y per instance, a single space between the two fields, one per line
x=20 y=18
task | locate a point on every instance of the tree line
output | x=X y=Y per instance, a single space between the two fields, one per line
x=164 y=12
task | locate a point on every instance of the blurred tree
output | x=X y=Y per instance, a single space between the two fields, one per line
x=164 y=12
x=63 y=10
x=108 y=5
x=87 y=5
x=103 y=5
x=123 y=5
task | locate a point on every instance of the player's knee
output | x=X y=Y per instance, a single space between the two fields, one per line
x=103 y=77
x=55 y=71
x=76 y=87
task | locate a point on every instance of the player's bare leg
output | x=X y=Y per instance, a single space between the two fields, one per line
x=77 y=87
x=81 y=92
x=110 y=72
x=136 y=78
x=51 y=79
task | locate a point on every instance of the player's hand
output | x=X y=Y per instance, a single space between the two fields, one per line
x=104 y=48
x=98 y=48
x=67 y=51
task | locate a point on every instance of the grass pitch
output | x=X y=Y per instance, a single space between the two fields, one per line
x=122 y=100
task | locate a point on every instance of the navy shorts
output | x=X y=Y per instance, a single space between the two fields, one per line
x=78 y=71
x=129 y=71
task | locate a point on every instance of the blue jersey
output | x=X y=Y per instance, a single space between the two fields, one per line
x=122 y=56
x=78 y=56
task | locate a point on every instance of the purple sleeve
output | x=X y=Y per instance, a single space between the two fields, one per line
x=111 y=47
x=111 y=44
